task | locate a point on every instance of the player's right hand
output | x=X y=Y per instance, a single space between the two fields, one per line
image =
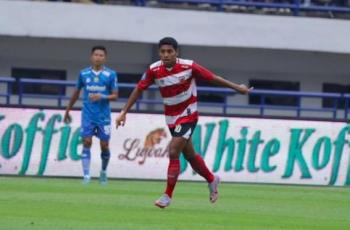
x=67 y=118
x=245 y=90
x=120 y=120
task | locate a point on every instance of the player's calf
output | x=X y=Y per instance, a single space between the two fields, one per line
x=85 y=159
x=105 y=156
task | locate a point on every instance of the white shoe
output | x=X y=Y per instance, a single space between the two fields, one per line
x=103 y=178
x=213 y=189
x=163 y=201
x=86 y=179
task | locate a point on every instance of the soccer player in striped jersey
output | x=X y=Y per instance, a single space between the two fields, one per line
x=176 y=79
x=99 y=85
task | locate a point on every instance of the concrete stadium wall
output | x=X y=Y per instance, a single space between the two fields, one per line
x=147 y=25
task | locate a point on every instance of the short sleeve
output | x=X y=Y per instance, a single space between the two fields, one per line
x=146 y=80
x=201 y=72
x=80 y=84
x=114 y=82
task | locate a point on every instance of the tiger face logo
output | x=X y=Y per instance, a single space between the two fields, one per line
x=154 y=137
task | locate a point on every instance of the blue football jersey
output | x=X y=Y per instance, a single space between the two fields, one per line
x=97 y=112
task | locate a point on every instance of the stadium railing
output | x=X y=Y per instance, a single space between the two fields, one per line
x=295 y=6
x=262 y=106
x=7 y=81
x=59 y=97
x=346 y=106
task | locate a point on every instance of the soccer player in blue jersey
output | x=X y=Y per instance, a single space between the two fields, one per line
x=99 y=85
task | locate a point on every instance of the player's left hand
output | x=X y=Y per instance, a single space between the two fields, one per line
x=95 y=96
x=67 y=118
x=244 y=89
x=120 y=120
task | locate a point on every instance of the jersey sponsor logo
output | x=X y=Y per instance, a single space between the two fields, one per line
x=173 y=79
x=95 y=88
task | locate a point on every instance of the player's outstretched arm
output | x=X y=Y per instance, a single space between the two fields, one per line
x=121 y=119
x=73 y=99
x=239 y=88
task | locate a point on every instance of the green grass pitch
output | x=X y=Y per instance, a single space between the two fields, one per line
x=50 y=203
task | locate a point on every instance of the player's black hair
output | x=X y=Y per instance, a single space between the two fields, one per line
x=168 y=41
x=99 y=48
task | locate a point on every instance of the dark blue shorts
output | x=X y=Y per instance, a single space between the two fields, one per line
x=184 y=130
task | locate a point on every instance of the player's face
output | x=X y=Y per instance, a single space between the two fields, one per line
x=168 y=55
x=98 y=58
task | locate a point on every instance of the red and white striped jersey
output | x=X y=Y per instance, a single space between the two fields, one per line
x=177 y=87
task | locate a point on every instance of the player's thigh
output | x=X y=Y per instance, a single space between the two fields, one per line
x=180 y=136
x=103 y=132
x=188 y=150
x=87 y=130
x=176 y=146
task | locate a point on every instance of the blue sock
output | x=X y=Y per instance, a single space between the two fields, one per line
x=85 y=159
x=105 y=155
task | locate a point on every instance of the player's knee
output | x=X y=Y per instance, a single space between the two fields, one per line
x=174 y=153
x=189 y=157
x=104 y=147
x=87 y=143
